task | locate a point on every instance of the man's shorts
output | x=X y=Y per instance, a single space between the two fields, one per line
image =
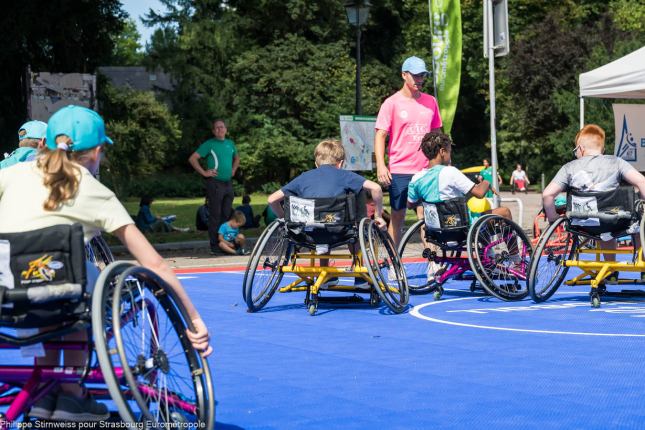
x=399 y=190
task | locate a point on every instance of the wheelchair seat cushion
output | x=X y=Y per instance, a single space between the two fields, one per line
x=327 y=220
x=608 y=202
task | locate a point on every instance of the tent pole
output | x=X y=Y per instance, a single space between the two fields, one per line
x=582 y=112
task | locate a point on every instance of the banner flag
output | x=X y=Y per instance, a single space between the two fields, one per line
x=445 y=23
x=630 y=134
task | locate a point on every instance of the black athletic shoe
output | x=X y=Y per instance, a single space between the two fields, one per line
x=330 y=283
x=44 y=408
x=361 y=284
x=612 y=279
x=216 y=251
x=72 y=408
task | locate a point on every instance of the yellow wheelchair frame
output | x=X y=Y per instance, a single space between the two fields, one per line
x=554 y=243
x=369 y=263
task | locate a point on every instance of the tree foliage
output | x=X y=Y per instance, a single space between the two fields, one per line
x=127 y=46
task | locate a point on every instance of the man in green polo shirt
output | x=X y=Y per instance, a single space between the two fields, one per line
x=222 y=161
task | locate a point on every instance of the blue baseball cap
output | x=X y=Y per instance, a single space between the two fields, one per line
x=84 y=126
x=414 y=65
x=34 y=129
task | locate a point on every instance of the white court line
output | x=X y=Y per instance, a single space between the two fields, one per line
x=415 y=312
x=186 y=277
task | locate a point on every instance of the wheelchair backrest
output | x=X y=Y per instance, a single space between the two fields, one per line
x=48 y=256
x=446 y=215
x=342 y=209
x=608 y=202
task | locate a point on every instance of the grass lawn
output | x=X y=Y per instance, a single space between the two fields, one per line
x=186 y=211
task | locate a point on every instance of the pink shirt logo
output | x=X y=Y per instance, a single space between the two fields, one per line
x=407 y=121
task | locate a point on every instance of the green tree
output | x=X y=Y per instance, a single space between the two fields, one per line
x=50 y=36
x=127 y=49
x=143 y=129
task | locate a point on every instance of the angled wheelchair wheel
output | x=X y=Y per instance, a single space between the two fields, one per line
x=255 y=250
x=500 y=254
x=415 y=257
x=384 y=265
x=152 y=372
x=98 y=252
x=263 y=274
x=548 y=271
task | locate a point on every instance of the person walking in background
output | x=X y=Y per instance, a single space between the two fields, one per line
x=201 y=221
x=406 y=116
x=251 y=220
x=487 y=175
x=520 y=178
x=222 y=161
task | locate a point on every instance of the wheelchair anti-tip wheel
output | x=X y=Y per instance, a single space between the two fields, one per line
x=547 y=268
x=416 y=256
x=144 y=353
x=384 y=265
x=263 y=274
x=499 y=252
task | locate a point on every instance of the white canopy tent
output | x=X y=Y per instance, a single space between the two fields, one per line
x=623 y=78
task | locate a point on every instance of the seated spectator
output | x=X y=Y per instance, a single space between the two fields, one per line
x=202 y=217
x=230 y=241
x=269 y=216
x=371 y=208
x=247 y=210
x=32 y=137
x=148 y=223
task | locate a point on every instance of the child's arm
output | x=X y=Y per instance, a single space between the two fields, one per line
x=634 y=177
x=482 y=188
x=220 y=237
x=548 y=200
x=377 y=197
x=148 y=257
x=274 y=202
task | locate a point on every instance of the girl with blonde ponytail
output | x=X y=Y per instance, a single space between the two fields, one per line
x=59 y=188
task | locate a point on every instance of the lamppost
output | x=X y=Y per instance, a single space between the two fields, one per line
x=357 y=12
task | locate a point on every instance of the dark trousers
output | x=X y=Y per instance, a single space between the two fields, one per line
x=220 y=202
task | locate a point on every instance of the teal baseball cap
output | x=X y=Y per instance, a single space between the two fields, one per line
x=414 y=65
x=34 y=129
x=84 y=126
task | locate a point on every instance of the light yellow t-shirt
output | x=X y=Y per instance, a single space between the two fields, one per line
x=22 y=194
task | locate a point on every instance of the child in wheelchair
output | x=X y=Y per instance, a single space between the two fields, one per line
x=441 y=182
x=59 y=189
x=330 y=180
x=592 y=172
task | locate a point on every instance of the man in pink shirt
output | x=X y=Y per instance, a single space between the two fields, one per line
x=406 y=116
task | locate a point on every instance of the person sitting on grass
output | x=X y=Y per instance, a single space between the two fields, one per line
x=329 y=180
x=230 y=241
x=148 y=223
x=251 y=220
x=592 y=172
x=441 y=182
x=201 y=221
x=32 y=138
x=60 y=189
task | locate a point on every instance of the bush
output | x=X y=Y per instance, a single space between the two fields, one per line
x=238 y=189
x=188 y=185
x=270 y=188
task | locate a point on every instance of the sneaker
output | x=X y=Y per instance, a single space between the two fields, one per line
x=216 y=251
x=361 y=284
x=391 y=275
x=242 y=251
x=612 y=279
x=72 y=408
x=330 y=283
x=184 y=230
x=432 y=271
x=44 y=408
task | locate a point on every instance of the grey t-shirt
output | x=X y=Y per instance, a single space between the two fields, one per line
x=593 y=173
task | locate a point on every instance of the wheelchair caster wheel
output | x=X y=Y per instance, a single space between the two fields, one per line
x=595 y=302
x=312 y=310
x=437 y=295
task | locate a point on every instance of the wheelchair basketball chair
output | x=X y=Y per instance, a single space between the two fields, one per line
x=135 y=322
x=590 y=218
x=494 y=248
x=310 y=229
